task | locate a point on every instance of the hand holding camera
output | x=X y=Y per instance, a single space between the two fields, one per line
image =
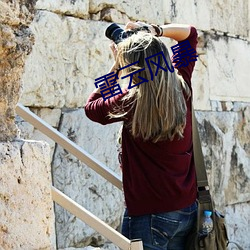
x=117 y=34
x=138 y=24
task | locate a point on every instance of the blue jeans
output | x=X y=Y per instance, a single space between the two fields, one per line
x=161 y=231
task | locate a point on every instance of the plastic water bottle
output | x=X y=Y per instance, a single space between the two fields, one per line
x=207 y=223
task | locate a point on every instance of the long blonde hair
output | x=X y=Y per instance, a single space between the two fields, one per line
x=159 y=106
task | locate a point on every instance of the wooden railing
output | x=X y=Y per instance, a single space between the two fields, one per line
x=66 y=202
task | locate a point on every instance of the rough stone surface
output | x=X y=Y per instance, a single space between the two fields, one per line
x=236 y=12
x=229 y=62
x=237 y=218
x=225 y=139
x=221 y=70
x=226 y=145
x=15 y=43
x=26 y=207
x=134 y=11
x=210 y=15
x=78 y=8
x=27 y=131
x=82 y=184
x=67 y=61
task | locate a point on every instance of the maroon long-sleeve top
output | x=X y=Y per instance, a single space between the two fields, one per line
x=157 y=177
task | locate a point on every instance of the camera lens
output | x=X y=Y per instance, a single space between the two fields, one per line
x=115 y=33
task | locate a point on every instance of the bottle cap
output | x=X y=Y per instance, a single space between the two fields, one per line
x=207 y=213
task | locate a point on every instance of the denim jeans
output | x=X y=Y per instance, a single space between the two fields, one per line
x=161 y=231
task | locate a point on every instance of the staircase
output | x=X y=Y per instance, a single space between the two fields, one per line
x=80 y=212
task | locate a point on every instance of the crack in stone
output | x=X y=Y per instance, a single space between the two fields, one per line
x=217 y=34
x=22 y=155
x=67 y=14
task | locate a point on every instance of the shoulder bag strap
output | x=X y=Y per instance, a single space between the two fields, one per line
x=198 y=155
x=201 y=175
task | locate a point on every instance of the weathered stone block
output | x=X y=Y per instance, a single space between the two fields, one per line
x=220 y=74
x=27 y=131
x=110 y=14
x=150 y=11
x=226 y=148
x=26 y=207
x=225 y=139
x=228 y=65
x=15 y=43
x=63 y=65
x=230 y=16
x=77 y=8
x=190 y=11
x=208 y=15
x=238 y=221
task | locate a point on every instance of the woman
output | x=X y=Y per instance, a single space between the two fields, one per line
x=157 y=152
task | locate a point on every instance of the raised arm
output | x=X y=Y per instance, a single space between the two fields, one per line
x=177 y=32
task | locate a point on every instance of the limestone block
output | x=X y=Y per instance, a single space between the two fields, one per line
x=207 y=15
x=26 y=207
x=225 y=140
x=238 y=221
x=77 y=8
x=82 y=184
x=60 y=71
x=15 y=43
x=220 y=74
x=51 y=116
x=191 y=12
x=228 y=64
x=12 y=51
x=15 y=13
x=151 y=11
x=111 y=15
x=230 y=16
x=27 y=131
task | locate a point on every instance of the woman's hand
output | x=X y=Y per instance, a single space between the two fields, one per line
x=138 y=24
x=113 y=48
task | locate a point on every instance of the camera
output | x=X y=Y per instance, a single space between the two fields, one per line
x=115 y=33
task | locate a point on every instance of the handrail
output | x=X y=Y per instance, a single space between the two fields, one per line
x=66 y=202
x=93 y=221
x=70 y=146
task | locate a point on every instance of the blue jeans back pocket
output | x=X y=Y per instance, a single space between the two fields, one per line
x=163 y=229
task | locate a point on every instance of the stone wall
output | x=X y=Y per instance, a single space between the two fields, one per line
x=15 y=43
x=70 y=51
x=26 y=207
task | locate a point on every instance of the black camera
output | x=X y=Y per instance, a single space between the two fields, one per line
x=115 y=33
